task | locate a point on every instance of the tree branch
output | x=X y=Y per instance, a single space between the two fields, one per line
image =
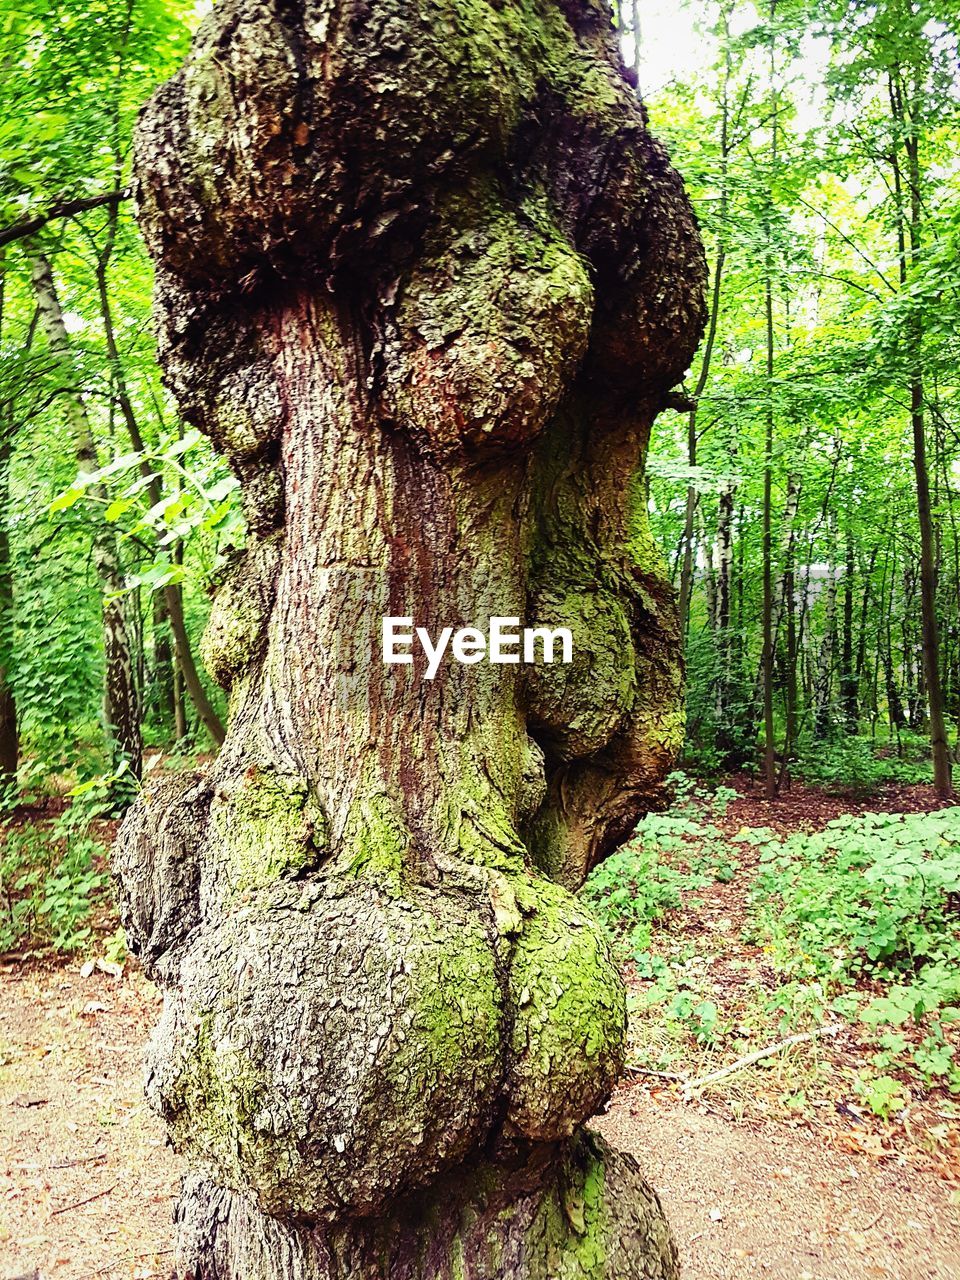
x=64 y=209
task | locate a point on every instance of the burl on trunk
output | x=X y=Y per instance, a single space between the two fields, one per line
x=425 y=278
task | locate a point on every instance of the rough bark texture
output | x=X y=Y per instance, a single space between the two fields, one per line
x=425 y=278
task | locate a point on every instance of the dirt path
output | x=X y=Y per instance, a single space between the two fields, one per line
x=744 y=1202
x=778 y=1203
x=73 y=1125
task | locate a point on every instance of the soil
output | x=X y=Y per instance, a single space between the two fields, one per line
x=767 y=1201
x=87 y=1184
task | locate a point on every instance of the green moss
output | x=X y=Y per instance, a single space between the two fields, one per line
x=267 y=825
x=506 y=42
x=581 y=704
x=376 y=841
x=458 y=1264
x=641 y=547
x=569 y=1010
x=234 y=633
x=458 y=1000
x=571 y=1225
x=480 y=829
x=498 y=313
x=218 y=1097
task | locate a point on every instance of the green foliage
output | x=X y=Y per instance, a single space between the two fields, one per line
x=853 y=766
x=103 y=795
x=871 y=895
x=858 y=921
x=668 y=858
x=875 y=898
x=49 y=884
x=799 y=154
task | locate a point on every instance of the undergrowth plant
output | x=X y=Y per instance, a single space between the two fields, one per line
x=667 y=859
x=873 y=900
x=859 y=921
x=49 y=886
x=855 y=766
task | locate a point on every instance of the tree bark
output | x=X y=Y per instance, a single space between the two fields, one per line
x=823 y=707
x=909 y=227
x=726 y=736
x=163 y=668
x=766 y=662
x=849 y=683
x=425 y=284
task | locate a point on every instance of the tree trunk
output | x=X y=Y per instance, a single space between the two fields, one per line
x=766 y=661
x=822 y=715
x=172 y=591
x=909 y=219
x=163 y=668
x=426 y=285
x=9 y=733
x=849 y=684
x=121 y=697
x=726 y=730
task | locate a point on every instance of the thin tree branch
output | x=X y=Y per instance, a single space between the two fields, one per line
x=64 y=209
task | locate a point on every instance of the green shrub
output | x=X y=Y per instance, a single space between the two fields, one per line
x=48 y=887
x=870 y=895
x=852 y=766
x=669 y=856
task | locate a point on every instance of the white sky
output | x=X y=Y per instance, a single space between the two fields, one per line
x=675 y=45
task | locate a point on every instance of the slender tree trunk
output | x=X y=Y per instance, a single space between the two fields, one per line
x=9 y=734
x=848 y=678
x=709 y=574
x=792 y=658
x=689 y=527
x=121 y=699
x=172 y=592
x=769 y=741
x=387 y=1016
x=909 y=216
x=823 y=719
x=860 y=666
x=724 y=670
x=163 y=665
x=713 y=317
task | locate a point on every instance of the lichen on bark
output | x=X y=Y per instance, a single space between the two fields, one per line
x=424 y=277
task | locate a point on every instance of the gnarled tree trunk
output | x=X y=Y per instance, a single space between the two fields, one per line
x=424 y=276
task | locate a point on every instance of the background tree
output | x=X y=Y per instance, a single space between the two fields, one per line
x=845 y=561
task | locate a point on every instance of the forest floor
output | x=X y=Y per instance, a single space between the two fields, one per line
x=775 y=1172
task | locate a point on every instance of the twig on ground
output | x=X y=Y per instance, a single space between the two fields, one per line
x=130 y=1257
x=70 y=1164
x=657 y=1075
x=804 y=1037
x=67 y=1207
